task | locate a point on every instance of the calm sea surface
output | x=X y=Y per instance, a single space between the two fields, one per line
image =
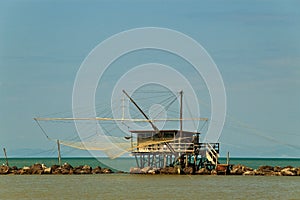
x=126 y=186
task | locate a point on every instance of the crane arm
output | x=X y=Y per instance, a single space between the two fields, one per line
x=153 y=126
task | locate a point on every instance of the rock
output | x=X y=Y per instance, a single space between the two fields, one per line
x=259 y=173
x=86 y=169
x=298 y=171
x=66 y=171
x=249 y=173
x=97 y=170
x=24 y=170
x=239 y=169
x=67 y=166
x=276 y=173
x=294 y=169
x=82 y=169
x=14 y=170
x=135 y=170
x=245 y=168
x=214 y=172
x=203 y=171
x=77 y=170
x=145 y=170
x=4 y=169
x=266 y=169
x=164 y=170
x=169 y=170
x=61 y=170
x=277 y=169
x=238 y=166
x=188 y=170
x=106 y=171
x=71 y=171
x=151 y=171
x=54 y=167
x=57 y=171
x=48 y=170
x=36 y=169
x=154 y=171
x=44 y=166
x=288 y=172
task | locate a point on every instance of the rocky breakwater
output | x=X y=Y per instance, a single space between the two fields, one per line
x=265 y=171
x=236 y=170
x=54 y=169
x=165 y=170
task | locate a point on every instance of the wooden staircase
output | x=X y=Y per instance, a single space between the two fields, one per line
x=212 y=155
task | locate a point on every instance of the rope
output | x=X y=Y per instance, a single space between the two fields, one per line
x=43 y=131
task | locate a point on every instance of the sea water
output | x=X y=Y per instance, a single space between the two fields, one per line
x=126 y=186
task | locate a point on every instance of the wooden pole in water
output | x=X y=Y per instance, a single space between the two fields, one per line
x=58 y=148
x=227 y=160
x=6 y=160
x=181 y=106
x=180 y=124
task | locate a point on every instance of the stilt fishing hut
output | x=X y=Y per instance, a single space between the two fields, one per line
x=162 y=148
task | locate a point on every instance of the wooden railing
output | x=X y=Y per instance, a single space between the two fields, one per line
x=180 y=148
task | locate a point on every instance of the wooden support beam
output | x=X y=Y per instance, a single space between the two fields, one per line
x=58 y=150
x=227 y=160
x=5 y=155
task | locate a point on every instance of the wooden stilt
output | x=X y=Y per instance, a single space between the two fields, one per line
x=137 y=162
x=227 y=160
x=186 y=160
x=6 y=160
x=58 y=149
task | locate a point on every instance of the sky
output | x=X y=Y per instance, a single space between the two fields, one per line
x=255 y=45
